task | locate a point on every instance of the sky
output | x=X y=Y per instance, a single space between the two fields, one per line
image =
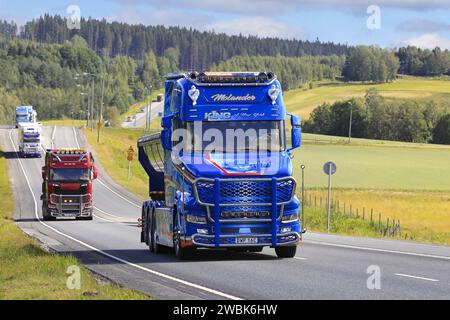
x=386 y=23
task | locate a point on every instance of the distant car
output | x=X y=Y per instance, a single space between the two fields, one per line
x=142 y=109
x=128 y=119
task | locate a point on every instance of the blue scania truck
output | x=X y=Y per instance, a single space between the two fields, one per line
x=220 y=170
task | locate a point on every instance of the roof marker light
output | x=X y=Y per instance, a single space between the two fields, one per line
x=274 y=92
x=194 y=93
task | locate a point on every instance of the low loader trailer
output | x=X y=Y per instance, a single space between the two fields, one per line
x=220 y=170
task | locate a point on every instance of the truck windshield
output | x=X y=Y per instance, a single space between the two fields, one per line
x=72 y=174
x=31 y=140
x=236 y=136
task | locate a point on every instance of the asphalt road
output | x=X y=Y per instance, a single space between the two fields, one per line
x=139 y=121
x=326 y=266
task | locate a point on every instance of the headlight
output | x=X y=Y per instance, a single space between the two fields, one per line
x=195 y=219
x=290 y=218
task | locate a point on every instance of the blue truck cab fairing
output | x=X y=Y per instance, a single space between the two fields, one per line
x=220 y=172
x=24 y=114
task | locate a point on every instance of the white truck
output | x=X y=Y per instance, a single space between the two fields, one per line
x=30 y=139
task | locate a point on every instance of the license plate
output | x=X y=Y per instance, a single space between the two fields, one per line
x=69 y=214
x=246 y=240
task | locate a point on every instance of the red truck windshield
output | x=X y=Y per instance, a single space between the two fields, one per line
x=72 y=174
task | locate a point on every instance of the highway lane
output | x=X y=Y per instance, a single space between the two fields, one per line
x=139 y=121
x=328 y=266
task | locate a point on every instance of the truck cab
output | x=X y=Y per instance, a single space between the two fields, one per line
x=25 y=114
x=30 y=139
x=67 y=184
x=220 y=170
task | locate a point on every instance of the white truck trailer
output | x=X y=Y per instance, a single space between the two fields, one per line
x=30 y=139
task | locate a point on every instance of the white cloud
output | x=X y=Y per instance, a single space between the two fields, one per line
x=429 y=41
x=257 y=26
x=276 y=7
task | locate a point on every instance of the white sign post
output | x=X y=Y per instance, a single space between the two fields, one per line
x=329 y=168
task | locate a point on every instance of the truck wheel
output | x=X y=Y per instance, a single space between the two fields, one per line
x=286 y=252
x=149 y=231
x=46 y=216
x=182 y=253
x=157 y=248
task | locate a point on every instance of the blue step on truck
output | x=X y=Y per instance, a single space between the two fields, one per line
x=220 y=170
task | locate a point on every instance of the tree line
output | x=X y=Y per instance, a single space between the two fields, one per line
x=376 y=117
x=293 y=72
x=57 y=79
x=198 y=49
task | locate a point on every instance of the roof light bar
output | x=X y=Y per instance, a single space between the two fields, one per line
x=232 y=77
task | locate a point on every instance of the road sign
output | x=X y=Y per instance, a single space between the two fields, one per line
x=329 y=167
x=130 y=153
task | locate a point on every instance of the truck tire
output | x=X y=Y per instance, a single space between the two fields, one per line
x=149 y=230
x=46 y=216
x=286 y=251
x=182 y=253
x=157 y=248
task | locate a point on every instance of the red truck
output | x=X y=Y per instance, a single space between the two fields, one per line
x=67 y=184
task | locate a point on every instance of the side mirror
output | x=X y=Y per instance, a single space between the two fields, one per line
x=95 y=172
x=43 y=172
x=296 y=132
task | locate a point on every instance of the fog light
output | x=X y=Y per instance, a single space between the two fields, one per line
x=202 y=231
x=285 y=229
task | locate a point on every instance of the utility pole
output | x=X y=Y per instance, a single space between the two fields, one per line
x=100 y=120
x=303 y=197
x=350 y=122
x=92 y=104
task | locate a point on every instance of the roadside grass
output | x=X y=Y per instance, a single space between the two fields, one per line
x=311 y=138
x=303 y=101
x=424 y=215
x=28 y=272
x=112 y=153
x=64 y=122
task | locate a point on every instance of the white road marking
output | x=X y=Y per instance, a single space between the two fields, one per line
x=123 y=219
x=117 y=194
x=300 y=258
x=376 y=249
x=415 y=277
x=162 y=275
x=53 y=137
x=101 y=182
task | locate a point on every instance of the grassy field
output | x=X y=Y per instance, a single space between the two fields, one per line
x=403 y=181
x=376 y=167
x=112 y=153
x=64 y=122
x=28 y=272
x=303 y=101
x=424 y=215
